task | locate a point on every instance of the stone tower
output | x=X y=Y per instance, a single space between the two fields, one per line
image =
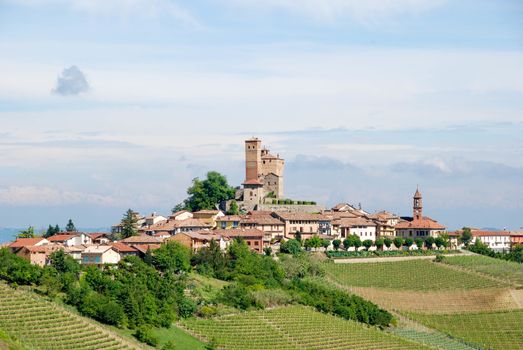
x=252 y=159
x=272 y=173
x=418 y=206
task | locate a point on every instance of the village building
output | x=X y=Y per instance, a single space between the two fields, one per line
x=385 y=223
x=37 y=255
x=124 y=250
x=181 y=215
x=200 y=239
x=307 y=224
x=27 y=242
x=100 y=255
x=141 y=239
x=71 y=238
x=499 y=241
x=264 y=221
x=209 y=217
x=227 y=222
x=75 y=252
x=99 y=237
x=255 y=239
x=154 y=219
x=516 y=238
x=418 y=226
x=362 y=227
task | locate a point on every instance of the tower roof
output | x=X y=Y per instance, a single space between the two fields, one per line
x=417 y=194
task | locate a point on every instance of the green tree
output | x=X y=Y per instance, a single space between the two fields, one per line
x=325 y=243
x=208 y=193
x=51 y=231
x=291 y=246
x=357 y=241
x=348 y=242
x=367 y=244
x=398 y=242
x=380 y=242
x=267 y=251
x=70 y=226
x=29 y=233
x=64 y=263
x=446 y=239
x=439 y=241
x=315 y=242
x=336 y=244
x=466 y=236
x=429 y=242
x=419 y=243
x=388 y=242
x=409 y=242
x=233 y=208
x=172 y=257
x=170 y=345
x=129 y=224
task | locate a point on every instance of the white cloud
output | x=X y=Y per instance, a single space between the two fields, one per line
x=142 y=8
x=48 y=196
x=361 y=10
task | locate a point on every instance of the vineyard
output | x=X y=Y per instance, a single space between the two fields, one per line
x=414 y=275
x=293 y=327
x=506 y=270
x=42 y=325
x=491 y=330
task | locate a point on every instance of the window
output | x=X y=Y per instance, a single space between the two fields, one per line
x=224 y=224
x=97 y=259
x=256 y=243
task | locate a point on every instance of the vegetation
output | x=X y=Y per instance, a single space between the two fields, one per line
x=293 y=327
x=206 y=194
x=129 y=224
x=233 y=208
x=466 y=236
x=29 y=233
x=292 y=246
x=386 y=253
x=70 y=226
x=419 y=275
x=498 y=268
x=515 y=254
x=43 y=325
x=52 y=230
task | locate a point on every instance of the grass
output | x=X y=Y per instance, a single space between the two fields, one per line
x=182 y=340
x=416 y=275
x=204 y=287
x=7 y=343
x=293 y=327
x=506 y=270
x=42 y=325
x=490 y=330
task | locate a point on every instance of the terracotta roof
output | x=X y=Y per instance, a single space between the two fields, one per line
x=229 y=218
x=61 y=237
x=141 y=239
x=123 y=248
x=24 y=242
x=42 y=248
x=97 y=249
x=202 y=235
x=75 y=248
x=480 y=233
x=191 y=223
x=143 y=248
x=417 y=194
x=246 y=233
x=205 y=211
x=260 y=220
x=425 y=223
x=259 y=212
x=351 y=222
x=302 y=216
x=96 y=235
x=252 y=182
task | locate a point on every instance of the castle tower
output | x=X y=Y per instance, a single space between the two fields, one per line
x=252 y=159
x=418 y=206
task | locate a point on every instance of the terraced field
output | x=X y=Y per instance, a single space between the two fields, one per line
x=491 y=330
x=42 y=325
x=292 y=328
x=506 y=270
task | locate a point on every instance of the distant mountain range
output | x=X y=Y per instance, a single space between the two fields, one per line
x=8 y=234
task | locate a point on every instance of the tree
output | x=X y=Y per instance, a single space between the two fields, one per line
x=357 y=242
x=429 y=242
x=208 y=193
x=388 y=242
x=233 y=208
x=129 y=224
x=51 y=231
x=64 y=263
x=70 y=226
x=398 y=242
x=267 y=251
x=325 y=243
x=291 y=246
x=446 y=239
x=419 y=243
x=380 y=242
x=172 y=257
x=315 y=242
x=336 y=244
x=348 y=242
x=439 y=241
x=29 y=233
x=409 y=242
x=297 y=236
x=466 y=236
x=367 y=244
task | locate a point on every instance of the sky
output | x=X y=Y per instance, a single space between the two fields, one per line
x=107 y=105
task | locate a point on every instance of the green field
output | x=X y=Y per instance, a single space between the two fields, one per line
x=491 y=330
x=506 y=270
x=40 y=324
x=415 y=275
x=293 y=327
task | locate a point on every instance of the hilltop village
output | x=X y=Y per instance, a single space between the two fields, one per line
x=264 y=220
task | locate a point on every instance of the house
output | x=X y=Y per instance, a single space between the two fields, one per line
x=516 y=237
x=256 y=239
x=142 y=239
x=142 y=249
x=140 y=222
x=362 y=227
x=27 y=242
x=173 y=227
x=181 y=215
x=208 y=216
x=75 y=252
x=200 y=239
x=154 y=219
x=124 y=249
x=305 y=223
x=499 y=241
x=99 y=237
x=71 y=238
x=265 y=222
x=38 y=255
x=385 y=223
x=418 y=226
x=99 y=255
x=228 y=222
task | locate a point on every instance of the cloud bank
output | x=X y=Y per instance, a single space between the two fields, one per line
x=72 y=81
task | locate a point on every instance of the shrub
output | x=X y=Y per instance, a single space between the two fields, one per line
x=170 y=345
x=388 y=242
x=186 y=308
x=238 y=296
x=367 y=244
x=409 y=242
x=336 y=244
x=292 y=246
x=380 y=242
x=145 y=335
x=207 y=311
x=419 y=243
x=398 y=242
x=272 y=297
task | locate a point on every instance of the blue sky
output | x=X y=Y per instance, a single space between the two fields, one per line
x=364 y=99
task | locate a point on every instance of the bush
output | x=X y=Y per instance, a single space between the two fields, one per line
x=207 y=311
x=145 y=335
x=170 y=345
x=15 y=269
x=238 y=296
x=336 y=244
x=186 y=308
x=292 y=246
x=272 y=297
x=398 y=242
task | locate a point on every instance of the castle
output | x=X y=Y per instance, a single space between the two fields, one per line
x=263 y=174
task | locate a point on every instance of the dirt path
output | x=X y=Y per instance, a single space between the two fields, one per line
x=392 y=258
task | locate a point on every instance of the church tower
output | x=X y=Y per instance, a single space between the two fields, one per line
x=252 y=159
x=418 y=206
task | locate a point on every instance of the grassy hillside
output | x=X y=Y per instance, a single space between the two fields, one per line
x=293 y=327
x=42 y=325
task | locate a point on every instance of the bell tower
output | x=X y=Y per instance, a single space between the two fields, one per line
x=418 y=206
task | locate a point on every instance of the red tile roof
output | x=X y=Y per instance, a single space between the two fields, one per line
x=61 y=237
x=143 y=239
x=24 y=242
x=123 y=248
x=302 y=216
x=425 y=223
x=252 y=182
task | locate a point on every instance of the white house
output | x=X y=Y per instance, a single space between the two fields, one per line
x=99 y=255
x=361 y=227
x=69 y=239
x=495 y=240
